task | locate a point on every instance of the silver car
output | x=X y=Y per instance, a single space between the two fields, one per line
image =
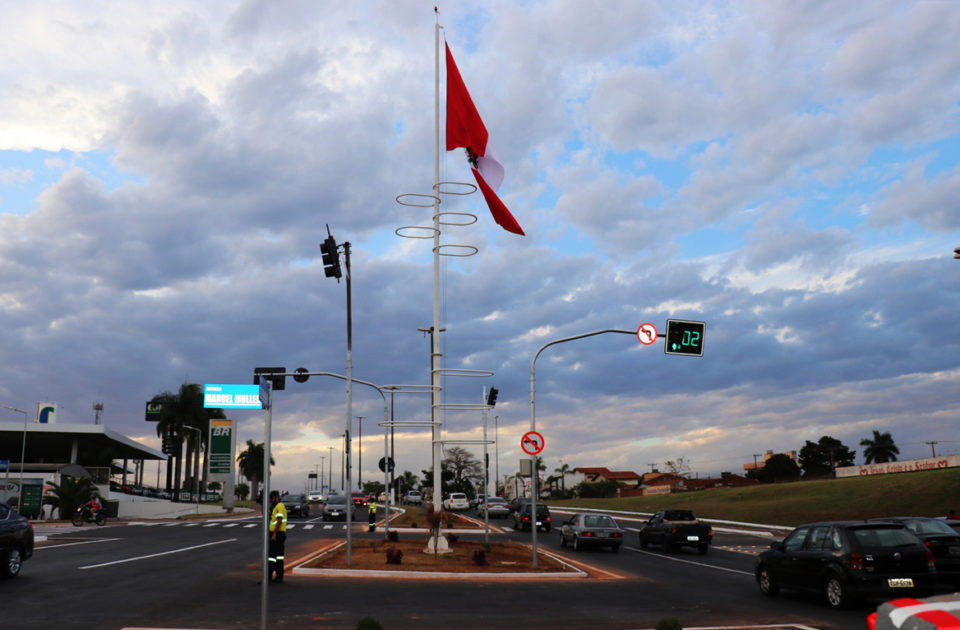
x=335 y=509
x=496 y=507
x=598 y=530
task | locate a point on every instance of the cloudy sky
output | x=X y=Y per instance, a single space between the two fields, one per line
x=787 y=172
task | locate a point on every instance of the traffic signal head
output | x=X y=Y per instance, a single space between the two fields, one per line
x=684 y=337
x=278 y=376
x=492 y=396
x=331 y=258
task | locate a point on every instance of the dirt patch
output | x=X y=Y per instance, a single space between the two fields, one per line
x=497 y=557
x=415 y=516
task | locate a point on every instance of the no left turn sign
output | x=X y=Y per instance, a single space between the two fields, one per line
x=532 y=443
x=647 y=334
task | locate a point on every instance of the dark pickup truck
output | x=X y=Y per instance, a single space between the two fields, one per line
x=673 y=529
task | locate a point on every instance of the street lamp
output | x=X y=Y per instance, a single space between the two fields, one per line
x=23 y=454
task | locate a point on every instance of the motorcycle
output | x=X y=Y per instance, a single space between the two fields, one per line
x=85 y=515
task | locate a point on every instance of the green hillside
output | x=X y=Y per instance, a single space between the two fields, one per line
x=928 y=493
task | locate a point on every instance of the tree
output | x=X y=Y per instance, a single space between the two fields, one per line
x=562 y=470
x=880 y=449
x=780 y=466
x=373 y=488
x=180 y=410
x=825 y=455
x=465 y=468
x=251 y=463
x=679 y=466
x=242 y=491
x=71 y=493
x=602 y=489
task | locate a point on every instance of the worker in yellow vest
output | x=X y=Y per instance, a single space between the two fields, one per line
x=372 y=515
x=278 y=536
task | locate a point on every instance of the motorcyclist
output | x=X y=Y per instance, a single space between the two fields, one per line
x=95 y=506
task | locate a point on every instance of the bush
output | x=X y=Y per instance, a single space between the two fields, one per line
x=393 y=536
x=369 y=623
x=480 y=558
x=394 y=556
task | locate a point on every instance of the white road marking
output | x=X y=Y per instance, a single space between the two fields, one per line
x=696 y=564
x=156 y=555
x=85 y=542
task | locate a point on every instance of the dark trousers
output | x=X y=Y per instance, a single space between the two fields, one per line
x=275 y=556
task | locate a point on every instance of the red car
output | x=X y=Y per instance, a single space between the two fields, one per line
x=359 y=499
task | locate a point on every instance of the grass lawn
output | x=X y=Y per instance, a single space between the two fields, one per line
x=927 y=493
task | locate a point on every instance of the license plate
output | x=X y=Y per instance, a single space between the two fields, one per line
x=693 y=538
x=539 y=523
x=900 y=583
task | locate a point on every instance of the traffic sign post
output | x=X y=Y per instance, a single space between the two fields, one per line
x=532 y=443
x=647 y=334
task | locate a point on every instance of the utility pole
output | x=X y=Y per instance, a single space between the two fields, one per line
x=360 y=455
x=933 y=450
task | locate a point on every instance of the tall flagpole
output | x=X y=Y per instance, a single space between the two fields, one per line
x=435 y=333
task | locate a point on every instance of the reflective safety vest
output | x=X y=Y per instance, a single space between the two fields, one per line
x=278 y=518
x=373 y=508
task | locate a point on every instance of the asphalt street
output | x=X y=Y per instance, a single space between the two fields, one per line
x=204 y=574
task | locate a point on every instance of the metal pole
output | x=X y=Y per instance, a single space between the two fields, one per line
x=486 y=475
x=533 y=421
x=496 y=445
x=435 y=363
x=346 y=250
x=330 y=475
x=360 y=455
x=265 y=572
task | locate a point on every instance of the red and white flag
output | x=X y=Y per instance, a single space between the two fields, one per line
x=465 y=129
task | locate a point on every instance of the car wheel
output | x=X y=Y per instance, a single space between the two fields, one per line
x=563 y=541
x=768 y=584
x=643 y=542
x=836 y=592
x=576 y=543
x=13 y=562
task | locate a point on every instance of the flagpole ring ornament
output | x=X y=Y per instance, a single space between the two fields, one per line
x=467 y=218
x=455 y=188
x=417 y=200
x=452 y=249
x=424 y=232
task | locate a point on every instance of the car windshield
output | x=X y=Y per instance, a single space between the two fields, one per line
x=874 y=537
x=497 y=500
x=930 y=526
x=456 y=495
x=595 y=520
x=337 y=500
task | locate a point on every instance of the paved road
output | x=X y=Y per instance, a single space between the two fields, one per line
x=204 y=575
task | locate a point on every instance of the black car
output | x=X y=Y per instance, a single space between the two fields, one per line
x=848 y=559
x=16 y=541
x=521 y=518
x=296 y=504
x=943 y=542
x=516 y=502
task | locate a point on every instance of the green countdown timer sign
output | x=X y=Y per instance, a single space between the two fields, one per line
x=684 y=337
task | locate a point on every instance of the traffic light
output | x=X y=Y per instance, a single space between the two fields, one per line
x=331 y=258
x=492 y=396
x=684 y=337
x=278 y=375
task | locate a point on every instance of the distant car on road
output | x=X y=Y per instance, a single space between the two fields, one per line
x=16 y=541
x=496 y=507
x=359 y=499
x=673 y=529
x=594 y=530
x=476 y=502
x=315 y=496
x=296 y=504
x=457 y=501
x=844 y=560
x=335 y=509
x=413 y=497
x=521 y=518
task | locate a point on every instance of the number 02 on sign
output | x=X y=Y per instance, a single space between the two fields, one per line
x=684 y=337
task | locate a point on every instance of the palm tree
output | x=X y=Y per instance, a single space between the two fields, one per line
x=251 y=463
x=563 y=469
x=69 y=494
x=880 y=449
x=180 y=410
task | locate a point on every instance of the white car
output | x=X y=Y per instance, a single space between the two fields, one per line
x=412 y=497
x=315 y=496
x=456 y=501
